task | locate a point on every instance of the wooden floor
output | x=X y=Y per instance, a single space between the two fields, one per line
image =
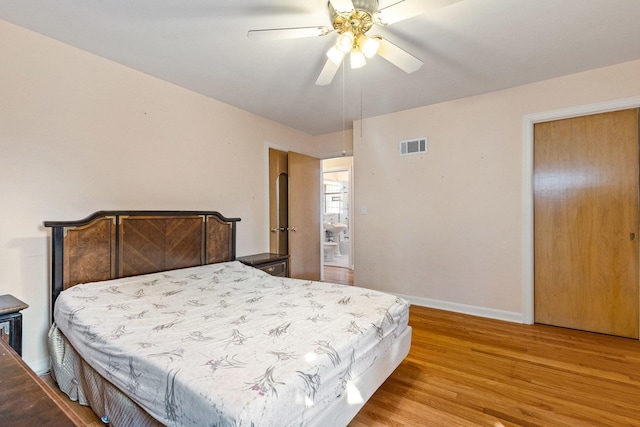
x=85 y=413
x=338 y=275
x=469 y=371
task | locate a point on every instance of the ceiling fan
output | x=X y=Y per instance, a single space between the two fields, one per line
x=352 y=20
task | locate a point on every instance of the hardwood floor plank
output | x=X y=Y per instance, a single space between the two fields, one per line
x=338 y=275
x=463 y=369
x=86 y=415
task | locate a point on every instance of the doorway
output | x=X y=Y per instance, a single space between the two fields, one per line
x=310 y=212
x=337 y=202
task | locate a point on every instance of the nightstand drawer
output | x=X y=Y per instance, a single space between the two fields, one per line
x=275 y=269
x=274 y=264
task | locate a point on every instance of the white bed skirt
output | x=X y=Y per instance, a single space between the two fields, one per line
x=84 y=385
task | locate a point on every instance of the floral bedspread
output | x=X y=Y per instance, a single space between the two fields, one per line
x=227 y=344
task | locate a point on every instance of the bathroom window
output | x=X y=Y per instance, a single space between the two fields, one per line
x=332 y=197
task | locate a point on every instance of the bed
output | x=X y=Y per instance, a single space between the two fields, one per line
x=156 y=323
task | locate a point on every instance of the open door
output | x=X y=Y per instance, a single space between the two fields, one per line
x=278 y=201
x=304 y=216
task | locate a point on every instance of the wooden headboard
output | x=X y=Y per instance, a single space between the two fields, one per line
x=112 y=244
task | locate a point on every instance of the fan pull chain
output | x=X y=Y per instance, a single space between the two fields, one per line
x=361 y=106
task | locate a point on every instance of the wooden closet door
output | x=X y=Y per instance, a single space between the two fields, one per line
x=586 y=223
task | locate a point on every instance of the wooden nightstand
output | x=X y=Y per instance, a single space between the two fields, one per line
x=274 y=264
x=11 y=321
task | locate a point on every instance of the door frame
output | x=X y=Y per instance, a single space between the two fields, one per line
x=528 y=123
x=349 y=170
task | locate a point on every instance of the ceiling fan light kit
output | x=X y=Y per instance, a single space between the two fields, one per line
x=351 y=25
x=335 y=55
x=352 y=19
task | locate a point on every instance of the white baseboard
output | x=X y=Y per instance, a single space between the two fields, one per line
x=40 y=367
x=490 y=313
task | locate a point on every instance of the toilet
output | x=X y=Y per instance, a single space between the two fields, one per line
x=329 y=250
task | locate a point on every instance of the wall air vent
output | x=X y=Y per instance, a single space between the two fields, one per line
x=413 y=146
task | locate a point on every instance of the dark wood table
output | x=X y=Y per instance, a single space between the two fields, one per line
x=11 y=319
x=25 y=400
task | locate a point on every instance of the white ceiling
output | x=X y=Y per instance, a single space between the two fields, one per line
x=468 y=48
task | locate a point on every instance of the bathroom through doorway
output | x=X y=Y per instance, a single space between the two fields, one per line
x=337 y=200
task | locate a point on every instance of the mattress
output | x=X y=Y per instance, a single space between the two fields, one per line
x=227 y=344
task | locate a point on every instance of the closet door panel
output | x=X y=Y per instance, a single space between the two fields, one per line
x=586 y=223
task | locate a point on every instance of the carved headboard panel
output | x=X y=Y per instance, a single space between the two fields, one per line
x=112 y=244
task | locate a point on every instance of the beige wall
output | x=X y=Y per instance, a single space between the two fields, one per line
x=332 y=145
x=79 y=133
x=338 y=163
x=446 y=227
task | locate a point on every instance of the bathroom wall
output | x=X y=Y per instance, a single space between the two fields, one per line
x=338 y=175
x=338 y=170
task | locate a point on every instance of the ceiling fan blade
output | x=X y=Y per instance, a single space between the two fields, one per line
x=406 y=9
x=398 y=57
x=328 y=73
x=288 y=33
x=342 y=5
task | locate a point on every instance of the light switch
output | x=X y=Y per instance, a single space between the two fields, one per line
x=363 y=210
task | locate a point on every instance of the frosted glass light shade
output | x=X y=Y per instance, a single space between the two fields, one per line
x=369 y=46
x=345 y=42
x=358 y=59
x=335 y=55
